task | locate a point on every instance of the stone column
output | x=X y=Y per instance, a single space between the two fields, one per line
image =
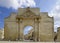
x=21 y=30
x=39 y=31
x=38 y=21
x=36 y=29
x=18 y=21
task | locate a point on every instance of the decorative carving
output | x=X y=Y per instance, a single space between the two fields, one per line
x=28 y=14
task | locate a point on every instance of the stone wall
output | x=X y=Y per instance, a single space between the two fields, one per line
x=58 y=35
x=1 y=34
x=46 y=27
x=11 y=28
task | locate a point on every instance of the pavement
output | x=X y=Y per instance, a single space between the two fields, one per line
x=25 y=42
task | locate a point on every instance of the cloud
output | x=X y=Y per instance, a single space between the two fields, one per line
x=9 y=3
x=55 y=12
x=17 y=3
x=26 y=3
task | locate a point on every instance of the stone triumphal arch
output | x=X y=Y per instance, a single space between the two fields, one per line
x=40 y=21
x=26 y=19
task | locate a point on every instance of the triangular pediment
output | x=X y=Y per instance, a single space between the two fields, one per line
x=28 y=14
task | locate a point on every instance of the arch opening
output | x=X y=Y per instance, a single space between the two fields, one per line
x=28 y=33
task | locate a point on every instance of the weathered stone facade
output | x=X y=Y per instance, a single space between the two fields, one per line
x=42 y=24
x=1 y=34
x=58 y=35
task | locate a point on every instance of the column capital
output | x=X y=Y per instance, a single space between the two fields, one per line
x=21 y=20
x=37 y=20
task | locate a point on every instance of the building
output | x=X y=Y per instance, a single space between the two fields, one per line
x=58 y=35
x=1 y=34
x=42 y=24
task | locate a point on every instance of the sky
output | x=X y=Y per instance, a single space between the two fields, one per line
x=27 y=29
x=50 y=6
